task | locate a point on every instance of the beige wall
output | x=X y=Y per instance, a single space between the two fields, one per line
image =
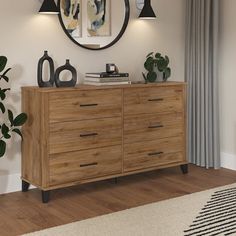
x=24 y=35
x=227 y=72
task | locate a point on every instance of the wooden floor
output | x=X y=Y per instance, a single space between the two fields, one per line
x=23 y=212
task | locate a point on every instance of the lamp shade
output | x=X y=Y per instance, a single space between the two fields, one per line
x=49 y=7
x=147 y=11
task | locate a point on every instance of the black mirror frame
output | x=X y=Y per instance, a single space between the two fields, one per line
x=126 y=21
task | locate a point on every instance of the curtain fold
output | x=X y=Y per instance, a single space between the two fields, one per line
x=201 y=65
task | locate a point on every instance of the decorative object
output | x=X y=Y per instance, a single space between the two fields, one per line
x=98 y=18
x=101 y=133
x=41 y=82
x=95 y=18
x=10 y=124
x=66 y=67
x=49 y=7
x=156 y=65
x=111 y=68
x=146 y=9
x=71 y=17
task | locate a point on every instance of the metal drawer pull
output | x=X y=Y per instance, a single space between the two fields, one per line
x=88 y=135
x=90 y=164
x=155 y=153
x=156 y=100
x=89 y=105
x=155 y=126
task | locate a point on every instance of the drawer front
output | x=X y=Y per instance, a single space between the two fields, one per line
x=153 y=100
x=82 y=105
x=153 y=126
x=80 y=135
x=153 y=153
x=75 y=166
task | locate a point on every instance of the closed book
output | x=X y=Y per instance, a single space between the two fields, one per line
x=107 y=75
x=105 y=80
x=108 y=83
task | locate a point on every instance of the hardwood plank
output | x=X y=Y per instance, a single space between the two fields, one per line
x=23 y=212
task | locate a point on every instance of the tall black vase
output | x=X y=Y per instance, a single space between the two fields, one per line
x=70 y=83
x=41 y=82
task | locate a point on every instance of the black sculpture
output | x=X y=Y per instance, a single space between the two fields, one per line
x=41 y=82
x=70 y=83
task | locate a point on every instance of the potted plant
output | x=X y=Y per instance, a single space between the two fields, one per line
x=10 y=123
x=156 y=63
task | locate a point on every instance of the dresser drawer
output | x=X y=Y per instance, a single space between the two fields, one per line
x=80 y=135
x=153 y=126
x=75 y=166
x=153 y=100
x=153 y=153
x=83 y=105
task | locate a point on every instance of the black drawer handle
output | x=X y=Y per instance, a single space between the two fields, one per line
x=89 y=105
x=156 y=100
x=88 y=135
x=90 y=164
x=155 y=126
x=155 y=153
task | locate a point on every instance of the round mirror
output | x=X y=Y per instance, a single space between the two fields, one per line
x=94 y=24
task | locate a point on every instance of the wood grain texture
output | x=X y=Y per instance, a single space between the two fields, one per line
x=68 y=126
x=31 y=168
x=25 y=212
x=80 y=135
x=84 y=105
x=143 y=155
x=153 y=126
x=153 y=100
x=74 y=166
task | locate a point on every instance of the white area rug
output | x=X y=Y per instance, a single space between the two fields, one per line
x=211 y=212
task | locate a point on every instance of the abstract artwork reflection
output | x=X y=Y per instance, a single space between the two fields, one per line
x=98 y=18
x=71 y=16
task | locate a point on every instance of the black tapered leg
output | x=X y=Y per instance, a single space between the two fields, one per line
x=184 y=168
x=45 y=196
x=116 y=180
x=25 y=186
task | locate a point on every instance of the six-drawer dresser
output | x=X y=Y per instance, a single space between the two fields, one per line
x=90 y=133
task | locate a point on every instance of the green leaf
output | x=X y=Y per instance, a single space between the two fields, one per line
x=10 y=117
x=148 y=65
x=166 y=74
x=158 y=55
x=151 y=77
x=2 y=107
x=20 y=119
x=2 y=148
x=4 y=77
x=3 y=62
x=6 y=71
x=5 y=131
x=149 y=54
x=3 y=93
x=18 y=132
x=167 y=60
x=145 y=77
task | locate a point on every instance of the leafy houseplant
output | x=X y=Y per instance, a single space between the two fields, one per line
x=154 y=63
x=11 y=124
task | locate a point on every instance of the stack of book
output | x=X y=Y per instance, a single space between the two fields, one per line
x=104 y=78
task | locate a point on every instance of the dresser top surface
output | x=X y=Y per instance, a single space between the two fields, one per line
x=92 y=87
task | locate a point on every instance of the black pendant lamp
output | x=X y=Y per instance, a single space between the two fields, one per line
x=147 y=11
x=49 y=7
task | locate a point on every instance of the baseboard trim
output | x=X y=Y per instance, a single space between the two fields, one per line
x=10 y=183
x=228 y=161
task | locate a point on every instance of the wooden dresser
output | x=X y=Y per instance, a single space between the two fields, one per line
x=85 y=134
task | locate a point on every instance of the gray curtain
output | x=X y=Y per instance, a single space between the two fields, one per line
x=202 y=29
